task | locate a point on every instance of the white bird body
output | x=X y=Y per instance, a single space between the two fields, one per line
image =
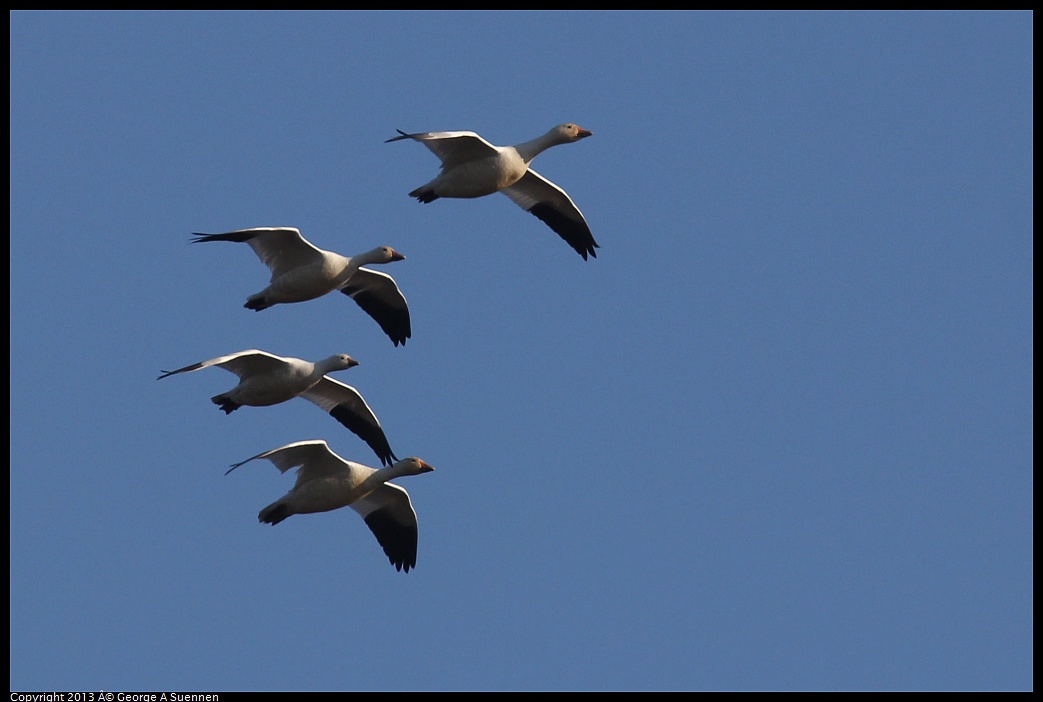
x=472 y=167
x=306 y=282
x=483 y=176
x=302 y=271
x=326 y=482
x=266 y=379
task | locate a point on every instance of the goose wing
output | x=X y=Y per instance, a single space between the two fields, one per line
x=379 y=296
x=542 y=198
x=282 y=249
x=346 y=405
x=390 y=516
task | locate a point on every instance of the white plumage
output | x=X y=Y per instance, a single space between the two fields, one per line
x=266 y=379
x=325 y=482
x=302 y=271
x=472 y=167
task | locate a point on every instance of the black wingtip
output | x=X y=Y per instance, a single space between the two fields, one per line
x=238 y=237
x=426 y=196
x=372 y=435
x=273 y=514
x=402 y=135
x=588 y=251
x=574 y=232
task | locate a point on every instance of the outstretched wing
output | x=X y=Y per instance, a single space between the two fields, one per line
x=314 y=459
x=379 y=296
x=390 y=516
x=537 y=195
x=242 y=363
x=345 y=404
x=282 y=249
x=451 y=148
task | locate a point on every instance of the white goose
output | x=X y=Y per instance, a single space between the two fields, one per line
x=302 y=271
x=325 y=482
x=472 y=167
x=266 y=379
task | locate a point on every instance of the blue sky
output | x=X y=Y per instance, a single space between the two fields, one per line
x=777 y=436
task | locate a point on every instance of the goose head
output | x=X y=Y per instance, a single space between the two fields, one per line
x=381 y=254
x=412 y=466
x=341 y=361
x=569 y=132
x=389 y=254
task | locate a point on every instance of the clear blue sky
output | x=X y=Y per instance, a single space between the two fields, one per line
x=777 y=436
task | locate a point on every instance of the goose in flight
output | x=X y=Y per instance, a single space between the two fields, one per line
x=302 y=271
x=325 y=482
x=472 y=167
x=266 y=379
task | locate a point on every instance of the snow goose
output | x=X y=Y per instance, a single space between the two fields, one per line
x=325 y=482
x=302 y=271
x=266 y=379
x=472 y=167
